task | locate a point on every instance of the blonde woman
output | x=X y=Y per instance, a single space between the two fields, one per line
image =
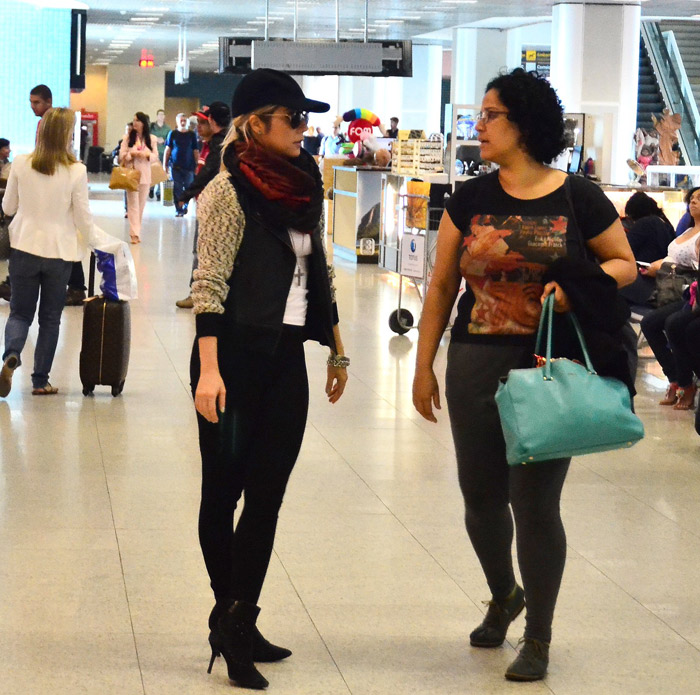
x=47 y=193
x=262 y=288
x=138 y=151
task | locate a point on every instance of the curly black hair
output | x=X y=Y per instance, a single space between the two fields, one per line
x=534 y=107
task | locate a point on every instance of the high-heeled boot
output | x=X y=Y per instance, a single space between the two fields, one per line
x=263 y=651
x=237 y=629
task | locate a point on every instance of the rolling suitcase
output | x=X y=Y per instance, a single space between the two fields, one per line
x=104 y=355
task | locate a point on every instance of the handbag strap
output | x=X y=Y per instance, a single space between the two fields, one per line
x=585 y=251
x=547 y=317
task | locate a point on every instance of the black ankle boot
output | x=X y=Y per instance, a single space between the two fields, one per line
x=500 y=614
x=531 y=662
x=263 y=651
x=236 y=628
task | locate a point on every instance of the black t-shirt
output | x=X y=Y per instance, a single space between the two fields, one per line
x=508 y=245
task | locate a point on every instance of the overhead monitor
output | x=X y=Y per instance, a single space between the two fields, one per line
x=375 y=58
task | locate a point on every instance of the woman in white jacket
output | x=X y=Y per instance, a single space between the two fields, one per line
x=47 y=193
x=138 y=151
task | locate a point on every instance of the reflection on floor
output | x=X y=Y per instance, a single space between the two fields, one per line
x=373 y=583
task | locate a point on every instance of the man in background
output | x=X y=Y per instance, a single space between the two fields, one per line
x=212 y=124
x=330 y=145
x=160 y=131
x=41 y=100
x=181 y=155
x=393 y=132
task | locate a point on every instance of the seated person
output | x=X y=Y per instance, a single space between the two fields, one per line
x=649 y=233
x=673 y=330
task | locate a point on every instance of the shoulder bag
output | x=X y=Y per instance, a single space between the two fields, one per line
x=564 y=408
x=158 y=174
x=123 y=178
x=671 y=282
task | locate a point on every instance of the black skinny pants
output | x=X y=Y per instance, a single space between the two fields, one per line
x=673 y=334
x=491 y=488
x=251 y=452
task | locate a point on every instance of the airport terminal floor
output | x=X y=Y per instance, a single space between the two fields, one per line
x=373 y=583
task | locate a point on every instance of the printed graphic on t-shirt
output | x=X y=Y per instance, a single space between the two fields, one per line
x=503 y=259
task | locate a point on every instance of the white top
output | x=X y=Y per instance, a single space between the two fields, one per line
x=297 y=302
x=684 y=253
x=52 y=214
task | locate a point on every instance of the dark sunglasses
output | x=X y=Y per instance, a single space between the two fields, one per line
x=296 y=118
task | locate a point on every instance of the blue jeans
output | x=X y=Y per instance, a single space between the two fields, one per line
x=30 y=274
x=182 y=178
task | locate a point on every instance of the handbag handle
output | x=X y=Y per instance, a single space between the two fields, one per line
x=547 y=317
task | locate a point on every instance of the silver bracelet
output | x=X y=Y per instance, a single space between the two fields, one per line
x=338 y=361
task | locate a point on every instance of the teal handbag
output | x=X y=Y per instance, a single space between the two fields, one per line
x=563 y=409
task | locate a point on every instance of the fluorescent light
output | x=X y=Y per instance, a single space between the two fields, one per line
x=57 y=4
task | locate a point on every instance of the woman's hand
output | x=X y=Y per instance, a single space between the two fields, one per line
x=561 y=301
x=653 y=268
x=335 y=382
x=210 y=392
x=426 y=392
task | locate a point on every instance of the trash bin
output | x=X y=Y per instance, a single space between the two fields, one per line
x=94 y=159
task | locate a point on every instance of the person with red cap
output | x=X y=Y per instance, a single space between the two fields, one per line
x=212 y=123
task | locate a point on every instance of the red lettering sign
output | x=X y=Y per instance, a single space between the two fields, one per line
x=359 y=130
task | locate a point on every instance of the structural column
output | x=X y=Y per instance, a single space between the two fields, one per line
x=595 y=70
x=477 y=57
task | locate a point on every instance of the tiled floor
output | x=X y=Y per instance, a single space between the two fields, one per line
x=373 y=583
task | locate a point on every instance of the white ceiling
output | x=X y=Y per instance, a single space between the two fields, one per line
x=118 y=30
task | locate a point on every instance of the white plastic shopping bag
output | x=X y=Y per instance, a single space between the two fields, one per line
x=116 y=265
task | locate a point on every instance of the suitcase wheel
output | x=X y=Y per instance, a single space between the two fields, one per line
x=116 y=390
x=87 y=390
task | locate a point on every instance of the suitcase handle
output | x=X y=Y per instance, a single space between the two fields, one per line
x=91 y=275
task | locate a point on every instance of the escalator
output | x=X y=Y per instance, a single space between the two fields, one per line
x=675 y=89
x=649 y=101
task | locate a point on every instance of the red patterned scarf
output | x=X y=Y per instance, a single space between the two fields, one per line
x=291 y=188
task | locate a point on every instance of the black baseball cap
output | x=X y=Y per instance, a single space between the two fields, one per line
x=267 y=87
x=219 y=113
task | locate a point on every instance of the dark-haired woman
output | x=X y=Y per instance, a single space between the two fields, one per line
x=503 y=232
x=649 y=233
x=672 y=331
x=138 y=151
x=262 y=288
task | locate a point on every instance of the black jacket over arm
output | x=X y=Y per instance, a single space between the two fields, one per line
x=602 y=313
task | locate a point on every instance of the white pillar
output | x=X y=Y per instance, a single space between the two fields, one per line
x=595 y=70
x=478 y=55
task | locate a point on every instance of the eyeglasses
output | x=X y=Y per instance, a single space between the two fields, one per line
x=489 y=115
x=295 y=118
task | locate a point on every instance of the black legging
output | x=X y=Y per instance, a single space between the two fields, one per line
x=683 y=332
x=673 y=334
x=491 y=488
x=251 y=452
